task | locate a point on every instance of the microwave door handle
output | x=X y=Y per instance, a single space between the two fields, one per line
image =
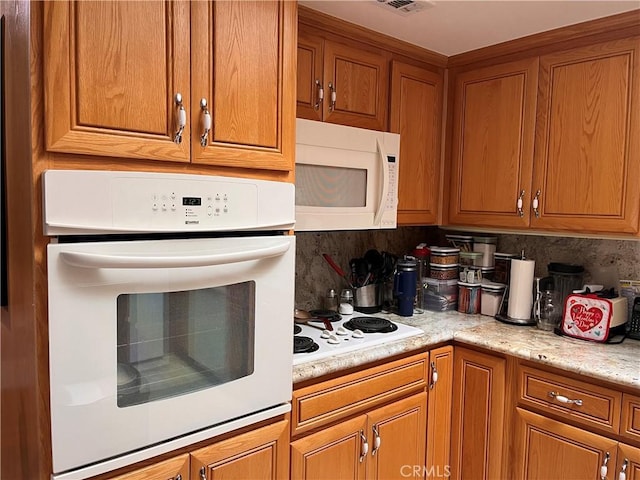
x=385 y=183
x=100 y=260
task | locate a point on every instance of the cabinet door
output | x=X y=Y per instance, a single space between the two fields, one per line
x=628 y=462
x=549 y=449
x=335 y=453
x=111 y=72
x=492 y=151
x=172 y=469
x=243 y=65
x=360 y=81
x=587 y=160
x=478 y=419
x=258 y=454
x=397 y=438
x=439 y=412
x=309 y=76
x=416 y=114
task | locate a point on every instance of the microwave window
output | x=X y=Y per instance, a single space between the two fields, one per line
x=322 y=186
x=176 y=343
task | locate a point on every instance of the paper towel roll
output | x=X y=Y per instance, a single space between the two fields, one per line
x=521 y=289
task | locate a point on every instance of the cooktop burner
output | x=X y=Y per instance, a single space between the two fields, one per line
x=297 y=329
x=326 y=314
x=304 y=344
x=370 y=325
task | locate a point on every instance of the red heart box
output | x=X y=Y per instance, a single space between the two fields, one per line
x=585 y=319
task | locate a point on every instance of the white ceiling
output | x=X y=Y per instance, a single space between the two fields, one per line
x=450 y=27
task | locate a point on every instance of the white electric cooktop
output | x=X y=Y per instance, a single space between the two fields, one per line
x=323 y=343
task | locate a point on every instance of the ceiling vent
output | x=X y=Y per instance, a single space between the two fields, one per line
x=405 y=7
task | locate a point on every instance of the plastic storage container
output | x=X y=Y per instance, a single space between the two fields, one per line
x=487 y=246
x=487 y=273
x=469 y=298
x=471 y=259
x=444 y=255
x=502 y=265
x=440 y=295
x=443 y=272
x=463 y=242
x=491 y=298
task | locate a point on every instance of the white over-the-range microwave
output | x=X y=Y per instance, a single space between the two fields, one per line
x=346 y=177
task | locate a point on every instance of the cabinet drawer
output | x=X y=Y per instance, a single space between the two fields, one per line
x=326 y=402
x=631 y=417
x=582 y=402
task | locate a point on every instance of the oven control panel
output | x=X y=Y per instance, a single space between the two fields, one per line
x=85 y=202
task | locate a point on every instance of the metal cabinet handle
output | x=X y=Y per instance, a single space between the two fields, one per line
x=320 y=94
x=203 y=474
x=434 y=376
x=365 y=446
x=536 y=203
x=563 y=399
x=182 y=118
x=603 y=467
x=623 y=470
x=332 y=104
x=178 y=477
x=204 y=138
x=376 y=440
x=520 y=204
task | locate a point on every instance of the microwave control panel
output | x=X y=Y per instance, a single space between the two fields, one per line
x=112 y=202
x=389 y=219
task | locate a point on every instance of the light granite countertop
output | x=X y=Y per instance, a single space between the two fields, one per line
x=619 y=363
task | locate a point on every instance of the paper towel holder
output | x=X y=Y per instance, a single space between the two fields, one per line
x=502 y=312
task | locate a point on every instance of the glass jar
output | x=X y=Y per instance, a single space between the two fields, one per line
x=547 y=310
x=346 y=302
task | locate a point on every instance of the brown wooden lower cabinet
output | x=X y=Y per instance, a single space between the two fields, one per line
x=550 y=449
x=438 y=463
x=176 y=468
x=258 y=454
x=261 y=454
x=478 y=415
x=386 y=443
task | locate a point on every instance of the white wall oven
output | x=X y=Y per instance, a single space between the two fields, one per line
x=170 y=303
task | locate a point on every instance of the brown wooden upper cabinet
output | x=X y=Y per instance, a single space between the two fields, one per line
x=115 y=73
x=341 y=84
x=587 y=151
x=492 y=154
x=572 y=167
x=416 y=114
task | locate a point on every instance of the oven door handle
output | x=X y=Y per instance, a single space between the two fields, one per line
x=101 y=260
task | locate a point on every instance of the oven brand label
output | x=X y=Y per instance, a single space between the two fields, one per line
x=191 y=222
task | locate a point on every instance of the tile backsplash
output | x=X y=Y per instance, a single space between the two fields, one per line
x=314 y=276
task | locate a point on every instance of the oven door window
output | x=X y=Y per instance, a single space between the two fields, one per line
x=175 y=343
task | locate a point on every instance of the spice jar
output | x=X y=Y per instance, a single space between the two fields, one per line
x=444 y=255
x=331 y=300
x=469 y=298
x=346 y=302
x=443 y=272
x=487 y=246
x=502 y=265
x=491 y=298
